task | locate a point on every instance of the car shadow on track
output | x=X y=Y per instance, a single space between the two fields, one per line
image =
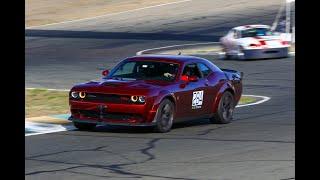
x=248 y=60
x=149 y=130
x=216 y=57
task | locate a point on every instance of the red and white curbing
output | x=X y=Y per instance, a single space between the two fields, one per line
x=33 y=128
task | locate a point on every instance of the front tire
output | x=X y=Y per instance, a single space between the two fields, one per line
x=226 y=54
x=241 y=54
x=164 y=116
x=225 y=110
x=84 y=126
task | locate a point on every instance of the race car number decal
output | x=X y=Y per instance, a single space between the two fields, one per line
x=197 y=99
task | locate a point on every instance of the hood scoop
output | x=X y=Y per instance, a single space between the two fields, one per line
x=111 y=84
x=93 y=82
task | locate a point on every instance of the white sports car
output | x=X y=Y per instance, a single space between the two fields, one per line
x=254 y=42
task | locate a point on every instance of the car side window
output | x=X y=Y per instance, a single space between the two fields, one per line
x=205 y=70
x=238 y=34
x=234 y=32
x=191 y=70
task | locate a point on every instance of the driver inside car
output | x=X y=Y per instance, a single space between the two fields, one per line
x=170 y=72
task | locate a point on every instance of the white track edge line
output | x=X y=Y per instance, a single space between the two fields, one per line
x=264 y=99
x=48 y=132
x=57 y=128
x=179 y=45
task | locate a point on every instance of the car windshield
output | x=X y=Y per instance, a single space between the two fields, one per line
x=256 y=32
x=145 y=70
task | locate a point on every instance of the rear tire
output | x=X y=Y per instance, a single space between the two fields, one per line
x=84 y=126
x=225 y=110
x=164 y=116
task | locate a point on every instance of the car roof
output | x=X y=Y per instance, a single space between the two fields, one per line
x=168 y=58
x=241 y=28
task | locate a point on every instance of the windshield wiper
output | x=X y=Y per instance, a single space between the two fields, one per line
x=128 y=78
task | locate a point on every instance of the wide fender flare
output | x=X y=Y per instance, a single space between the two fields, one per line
x=162 y=95
x=226 y=86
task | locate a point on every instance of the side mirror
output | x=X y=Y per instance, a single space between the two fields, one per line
x=105 y=72
x=193 y=78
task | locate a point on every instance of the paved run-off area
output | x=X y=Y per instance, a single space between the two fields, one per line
x=42 y=12
x=258 y=144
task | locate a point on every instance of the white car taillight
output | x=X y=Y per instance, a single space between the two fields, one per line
x=254 y=45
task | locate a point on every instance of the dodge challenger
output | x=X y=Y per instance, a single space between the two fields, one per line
x=157 y=91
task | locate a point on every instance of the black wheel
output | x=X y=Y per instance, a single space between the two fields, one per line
x=225 y=109
x=241 y=57
x=164 y=116
x=228 y=56
x=225 y=50
x=84 y=126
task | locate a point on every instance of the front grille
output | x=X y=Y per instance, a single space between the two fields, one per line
x=112 y=98
x=104 y=115
x=108 y=98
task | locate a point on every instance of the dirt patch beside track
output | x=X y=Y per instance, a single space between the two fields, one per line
x=40 y=12
x=40 y=102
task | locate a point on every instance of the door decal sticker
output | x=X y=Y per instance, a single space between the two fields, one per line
x=197 y=99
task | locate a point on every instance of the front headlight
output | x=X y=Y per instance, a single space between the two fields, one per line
x=134 y=98
x=74 y=94
x=139 y=99
x=82 y=95
x=142 y=99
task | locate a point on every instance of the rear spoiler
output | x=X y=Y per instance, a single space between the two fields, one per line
x=232 y=74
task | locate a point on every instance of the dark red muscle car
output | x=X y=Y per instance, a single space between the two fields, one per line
x=157 y=90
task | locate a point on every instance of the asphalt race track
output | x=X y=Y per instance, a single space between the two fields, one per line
x=258 y=144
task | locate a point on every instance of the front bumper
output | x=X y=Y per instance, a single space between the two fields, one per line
x=103 y=123
x=116 y=114
x=265 y=53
